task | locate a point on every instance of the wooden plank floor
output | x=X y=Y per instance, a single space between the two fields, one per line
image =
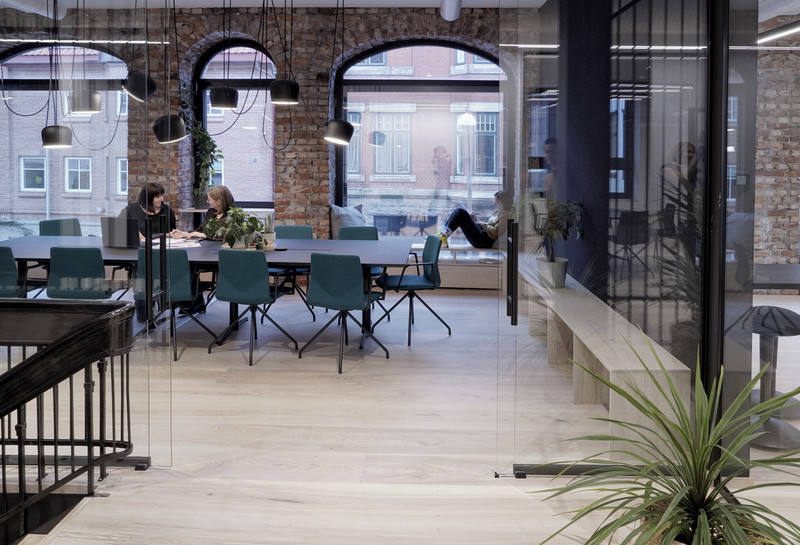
x=287 y=451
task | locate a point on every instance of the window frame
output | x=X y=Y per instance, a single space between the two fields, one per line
x=68 y=170
x=23 y=170
x=120 y=170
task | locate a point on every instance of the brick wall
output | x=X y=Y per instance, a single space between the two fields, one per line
x=304 y=170
x=777 y=201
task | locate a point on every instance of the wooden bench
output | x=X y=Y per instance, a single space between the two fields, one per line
x=580 y=327
x=464 y=266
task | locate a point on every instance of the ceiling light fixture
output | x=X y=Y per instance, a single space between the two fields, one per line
x=338 y=131
x=225 y=97
x=780 y=32
x=285 y=91
x=139 y=85
x=450 y=10
x=169 y=128
x=54 y=136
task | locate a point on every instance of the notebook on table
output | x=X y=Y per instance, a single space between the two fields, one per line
x=119 y=232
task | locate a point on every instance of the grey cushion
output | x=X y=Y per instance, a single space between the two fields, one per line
x=340 y=217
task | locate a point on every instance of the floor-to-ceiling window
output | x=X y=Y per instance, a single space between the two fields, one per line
x=428 y=136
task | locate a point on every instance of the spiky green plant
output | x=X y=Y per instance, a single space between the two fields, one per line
x=674 y=484
x=562 y=218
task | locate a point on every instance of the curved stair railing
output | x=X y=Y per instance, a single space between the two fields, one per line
x=64 y=400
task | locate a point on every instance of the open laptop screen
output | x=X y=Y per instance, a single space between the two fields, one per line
x=119 y=232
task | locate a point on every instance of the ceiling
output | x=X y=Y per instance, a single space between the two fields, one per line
x=767 y=9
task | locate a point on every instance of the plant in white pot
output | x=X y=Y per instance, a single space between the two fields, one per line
x=558 y=220
x=674 y=469
x=268 y=235
x=239 y=229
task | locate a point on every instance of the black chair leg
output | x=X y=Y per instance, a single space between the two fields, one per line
x=268 y=317
x=314 y=338
x=421 y=300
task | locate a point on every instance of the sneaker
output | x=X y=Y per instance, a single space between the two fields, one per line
x=444 y=239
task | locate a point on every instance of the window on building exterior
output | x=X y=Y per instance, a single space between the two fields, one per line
x=375 y=60
x=354 y=149
x=394 y=156
x=218 y=177
x=98 y=139
x=34 y=173
x=122 y=176
x=122 y=103
x=78 y=174
x=407 y=162
x=248 y=170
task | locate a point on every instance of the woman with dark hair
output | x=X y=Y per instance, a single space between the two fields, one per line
x=481 y=234
x=151 y=205
x=220 y=200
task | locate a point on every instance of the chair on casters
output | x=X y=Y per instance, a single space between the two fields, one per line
x=337 y=282
x=289 y=276
x=79 y=273
x=412 y=283
x=182 y=288
x=243 y=278
x=9 y=285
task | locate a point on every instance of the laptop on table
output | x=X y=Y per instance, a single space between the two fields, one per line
x=119 y=232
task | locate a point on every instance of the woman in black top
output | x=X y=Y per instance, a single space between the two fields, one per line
x=151 y=205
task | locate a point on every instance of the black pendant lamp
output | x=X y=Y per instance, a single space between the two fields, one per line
x=169 y=128
x=224 y=98
x=84 y=101
x=140 y=86
x=339 y=132
x=284 y=92
x=56 y=137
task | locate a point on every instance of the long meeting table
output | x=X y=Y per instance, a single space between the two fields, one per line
x=386 y=252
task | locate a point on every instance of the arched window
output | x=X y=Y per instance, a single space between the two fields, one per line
x=86 y=180
x=429 y=136
x=245 y=134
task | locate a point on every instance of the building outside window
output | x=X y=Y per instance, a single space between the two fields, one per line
x=122 y=103
x=406 y=161
x=122 y=176
x=248 y=170
x=375 y=60
x=78 y=174
x=33 y=173
x=354 y=149
x=218 y=178
x=394 y=157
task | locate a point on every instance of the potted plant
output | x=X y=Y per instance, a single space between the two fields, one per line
x=239 y=229
x=269 y=233
x=557 y=221
x=677 y=485
x=206 y=151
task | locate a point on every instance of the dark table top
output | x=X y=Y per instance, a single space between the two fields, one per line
x=387 y=252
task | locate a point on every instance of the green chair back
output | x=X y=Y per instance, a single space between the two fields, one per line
x=430 y=254
x=179 y=275
x=69 y=227
x=337 y=282
x=294 y=231
x=8 y=274
x=358 y=232
x=77 y=273
x=243 y=278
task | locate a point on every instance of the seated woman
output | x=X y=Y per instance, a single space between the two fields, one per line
x=151 y=205
x=481 y=234
x=220 y=200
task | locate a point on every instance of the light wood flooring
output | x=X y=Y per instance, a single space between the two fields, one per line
x=393 y=451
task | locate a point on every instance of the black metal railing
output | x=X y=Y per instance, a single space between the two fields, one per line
x=64 y=400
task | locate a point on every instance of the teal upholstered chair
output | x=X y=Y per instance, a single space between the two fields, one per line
x=182 y=288
x=413 y=283
x=288 y=277
x=364 y=232
x=67 y=227
x=9 y=286
x=79 y=273
x=243 y=279
x=337 y=282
